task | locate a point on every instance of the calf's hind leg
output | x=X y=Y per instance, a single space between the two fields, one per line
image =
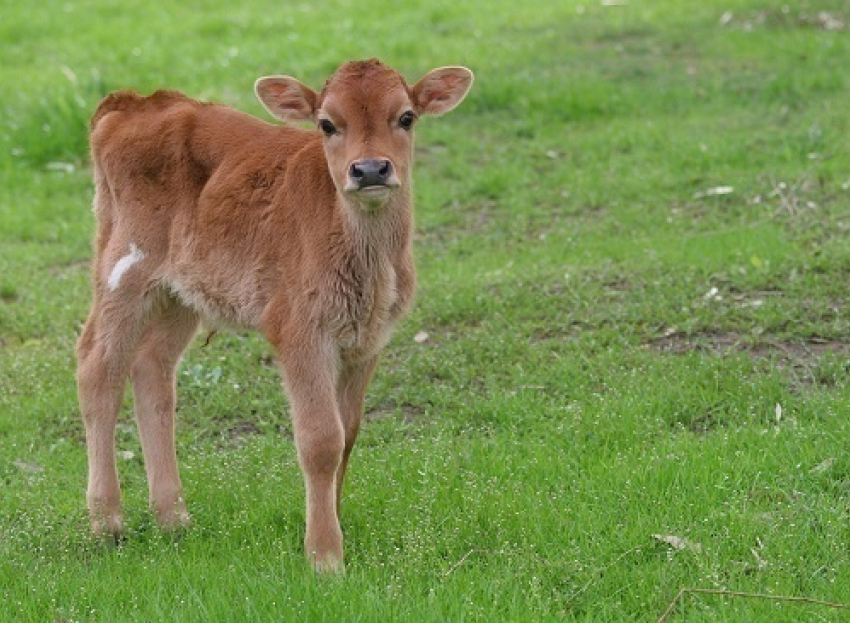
x=104 y=351
x=153 y=375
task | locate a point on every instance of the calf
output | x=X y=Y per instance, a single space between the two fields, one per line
x=208 y=214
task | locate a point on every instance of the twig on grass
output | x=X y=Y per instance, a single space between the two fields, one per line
x=727 y=593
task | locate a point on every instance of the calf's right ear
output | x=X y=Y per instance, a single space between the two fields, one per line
x=286 y=98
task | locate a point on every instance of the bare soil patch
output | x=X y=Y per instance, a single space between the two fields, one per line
x=407 y=413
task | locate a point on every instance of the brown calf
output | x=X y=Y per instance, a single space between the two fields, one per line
x=206 y=213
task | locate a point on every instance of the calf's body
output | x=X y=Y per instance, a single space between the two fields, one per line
x=208 y=214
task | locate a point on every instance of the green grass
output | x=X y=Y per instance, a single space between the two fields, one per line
x=616 y=351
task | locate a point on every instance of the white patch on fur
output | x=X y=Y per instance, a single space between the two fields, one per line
x=123 y=265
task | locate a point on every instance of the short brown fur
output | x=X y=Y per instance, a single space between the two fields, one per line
x=208 y=214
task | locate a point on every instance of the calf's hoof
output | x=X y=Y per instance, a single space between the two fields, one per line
x=327 y=565
x=108 y=528
x=172 y=518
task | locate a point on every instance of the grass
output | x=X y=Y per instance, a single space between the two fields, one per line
x=620 y=348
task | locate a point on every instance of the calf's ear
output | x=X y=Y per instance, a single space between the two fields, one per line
x=286 y=98
x=440 y=90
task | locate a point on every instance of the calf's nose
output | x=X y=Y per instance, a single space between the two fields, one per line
x=365 y=173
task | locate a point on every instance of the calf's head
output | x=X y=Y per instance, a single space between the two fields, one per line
x=366 y=113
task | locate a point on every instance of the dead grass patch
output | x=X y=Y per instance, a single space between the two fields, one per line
x=812 y=361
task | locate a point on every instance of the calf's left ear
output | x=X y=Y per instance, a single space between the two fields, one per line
x=286 y=98
x=442 y=89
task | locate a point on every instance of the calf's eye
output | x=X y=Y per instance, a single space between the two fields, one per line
x=405 y=122
x=327 y=126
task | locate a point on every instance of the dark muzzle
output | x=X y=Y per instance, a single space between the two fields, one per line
x=366 y=173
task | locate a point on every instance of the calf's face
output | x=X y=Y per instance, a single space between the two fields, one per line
x=366 y=113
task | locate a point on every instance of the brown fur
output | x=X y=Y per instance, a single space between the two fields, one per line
x=206 y=213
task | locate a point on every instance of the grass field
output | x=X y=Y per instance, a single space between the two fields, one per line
x=634 y=264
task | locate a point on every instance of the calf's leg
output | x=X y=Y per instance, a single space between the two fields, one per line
x=310 y=371
x=153 y=375
x=351 y=392
x=104 y=350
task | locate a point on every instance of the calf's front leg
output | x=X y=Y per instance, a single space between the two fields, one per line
x=310 y=372
x=351 y=392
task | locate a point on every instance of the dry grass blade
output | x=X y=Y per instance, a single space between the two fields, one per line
x=598 y=572
x=726 y=593
x=488 y=552
x=463 y=560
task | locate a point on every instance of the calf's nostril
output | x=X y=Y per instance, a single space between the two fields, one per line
x=367 y=173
